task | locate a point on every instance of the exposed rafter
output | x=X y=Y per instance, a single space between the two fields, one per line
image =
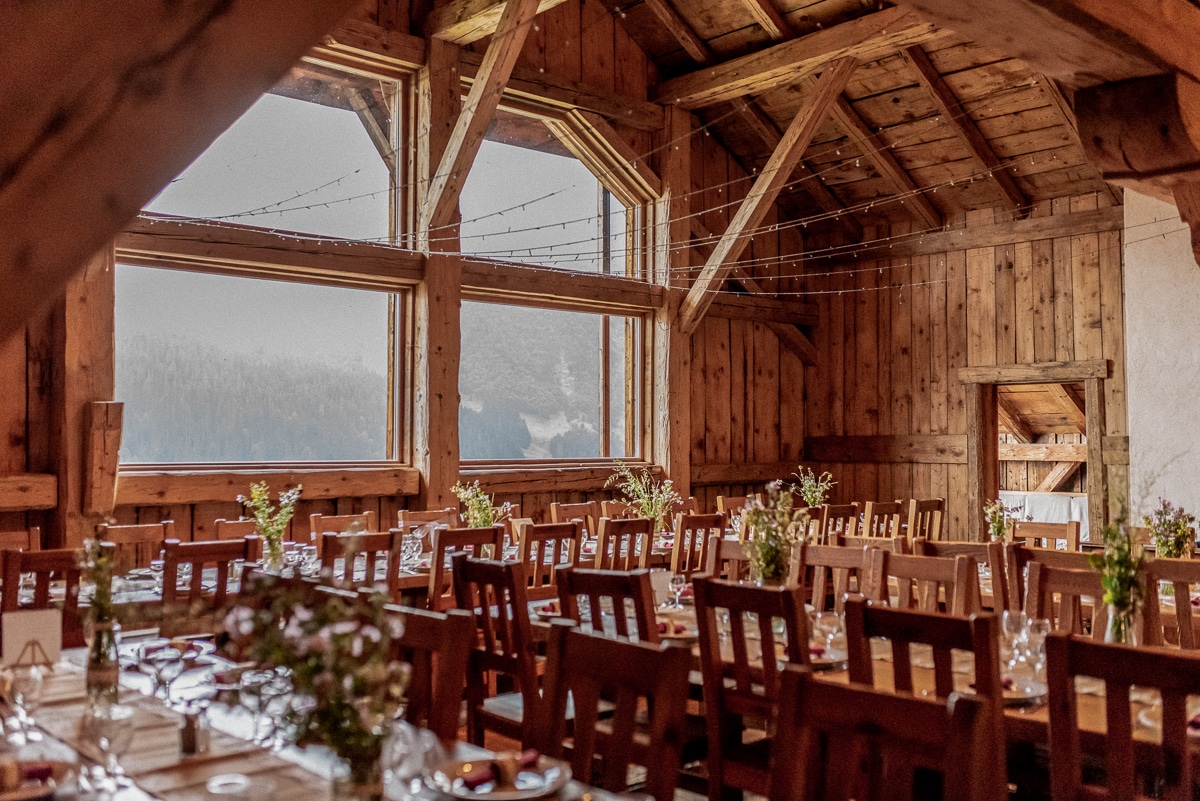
x=678 y=27
x=867 y=38
x=1059 y=475
x=754 y=207
x=1058 y=99
x=874 y=149
x=769 y=18
x=1010 y=420
x=441 y=202
x=461 y=22
x=376 y=125
x=961 y=123
x=1071 y=405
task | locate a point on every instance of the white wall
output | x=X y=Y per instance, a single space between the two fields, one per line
x=1162 y=329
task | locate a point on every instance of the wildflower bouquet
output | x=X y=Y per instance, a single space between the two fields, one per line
x=772 y=528
x=478 y=511
x=651 y=498
x=813 y=489
x=270 y=521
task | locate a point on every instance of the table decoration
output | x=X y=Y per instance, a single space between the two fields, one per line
x=1170 y=527
x=652 y=499
x=772 y=528
x=478 y=509
x=347 y=686
x=1119 y=565
x=1000 y=519
x=101 y=628
x=813 y=489
x=270 y=521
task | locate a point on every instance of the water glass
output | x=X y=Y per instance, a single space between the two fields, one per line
x=109 y=727
x=310 y=561
x=678 y=584
x=27 y=695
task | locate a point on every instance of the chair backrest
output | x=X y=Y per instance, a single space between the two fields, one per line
x=494 y=593
x=46 y=566
x=836 y=563
x=838 y=521
x=689 y=554
x=611 y=684
x=486 y=542
x=29 y=539
x=883 y=519
x=984 y=553
x=371 y=546
x=1017 y=558
x=427 y=522
x=318 y=524
x=925 y=518
x=924 y=583
x=740 y=666
x=510 y=518
x=732 y=505
x=234 y=529
x=189 y=611
x=728 y=559
x=1175 y=675
x=616 y=509
x=899 y=545
x=624 y=543
x=851 y=741
x=623 y=598
x=1057 y=594
x=136 y=545
x=437 y=645
x=545 y=549
x=1052 y=536
x=588 y=512
x=513 y=526
x=1181 y=575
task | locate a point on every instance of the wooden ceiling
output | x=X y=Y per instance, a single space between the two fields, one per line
x=934 y=126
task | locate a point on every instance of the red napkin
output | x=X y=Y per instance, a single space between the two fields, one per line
x=678 y=628
x=1194 y=723
x=37 y=771
x=688 y=592
x=816 y=651
x=488 y=772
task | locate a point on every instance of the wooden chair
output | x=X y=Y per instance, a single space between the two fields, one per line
x=509 y=518
x=427 y=522
x=883 y=519
x=838 y=521
x=234 y=529
x=318 y=524
x=851 y=741
x=628 y=703
x=831 y=562
x=741 y=678
x=371 y=546
x=729 y=505
x=1057 y=594
x=546 y=549
x=923 y=583
x=1174 y=675
x=727 y=559
x=687 y=506
x=1047 y=535
x=487 y=542
x=627 y=595
x=1183 y=574
x=57 y=564
x=512 y=531
x=616 y=510
x=624 y=543
x=22 y=540
x=689 y=553
x=136 y=545
x=1018 y=557
x=984 y=553
x=588 y=512
x=925 y=518
x=898 y=545
x=437 y=645
x=494 y=593
x=194 y=610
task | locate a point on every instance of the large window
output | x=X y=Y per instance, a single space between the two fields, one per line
x=219 y=369
x=547 y=384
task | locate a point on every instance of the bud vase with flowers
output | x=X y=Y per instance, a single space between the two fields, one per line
x=1170 y=528
x=102 y=629
x=772 y=529
x=652 y=499
x=271 y=522
x=1120 y=565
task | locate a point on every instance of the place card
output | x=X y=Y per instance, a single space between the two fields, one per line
x=31 y=637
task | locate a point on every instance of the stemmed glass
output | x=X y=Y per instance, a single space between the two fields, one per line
x=109 y=727
x=162 y=663
x=830 y=630
x=678 y=583
x=27 y=694
x=410 y=550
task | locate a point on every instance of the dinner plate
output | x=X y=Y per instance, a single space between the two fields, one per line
x=548 y=777
x=1024 y=692
x=1151 y=718
x=828 y=659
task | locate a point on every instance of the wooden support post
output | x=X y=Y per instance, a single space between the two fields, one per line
x=104 y=421
x=983 y=456
x=762 y=195
x=1096 y=475
x=439 y=296
x=672 y=406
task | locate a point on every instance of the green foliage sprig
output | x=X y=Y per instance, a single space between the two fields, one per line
x=813 y=489
x=338 y=652
x=651 y=498
x=1169 y=525
x=999 y=518
x=772 y=527
x=1119 y=565
x=270 y=521
x=478 y=509
x=96 y=566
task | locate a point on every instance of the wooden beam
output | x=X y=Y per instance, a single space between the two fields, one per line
x=1059 y=475
x=377 y=128
x=1116 y=450
x=954 y=115
x=360 y=44
x=104 y=421
x=1071 y=404
x=626 y=173
x=1039 y=452
x=866 y=38
x=1186 y=195
x=759 y=305
x=876 y=150
x=680 y=30
x=27 y=491
x=1097 y=476
x=498 y=282
x=1066 y=111
x=441 y=200
x=905 y=449
x=1011 y=422
x=127 y=96
x=1031 y=229
x=983 y=461
x=763 y=193
x=173 y=487
x=769 y=19
x=741 y=473
x=1039 y=373
x=461 y=22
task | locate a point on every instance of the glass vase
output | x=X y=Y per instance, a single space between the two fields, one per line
x=361 y=778
x=104 y=665
x=272 y=558
x=1124 y=625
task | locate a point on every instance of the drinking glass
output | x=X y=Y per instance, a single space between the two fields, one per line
x=162 y=663
x=1035 y=646
x=410 y=550
x=27 y=695
x=1012 y=629
x=310 y=561
x=830 y=630
x=253 y=693
x=678 y=583
x=109 y=727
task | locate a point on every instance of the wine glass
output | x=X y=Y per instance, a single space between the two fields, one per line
x=109 y=727
x=678 y=583
x=829 y=629
x=164 y=664
x=310 y=561
x=27 y=694
x=251 y=692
